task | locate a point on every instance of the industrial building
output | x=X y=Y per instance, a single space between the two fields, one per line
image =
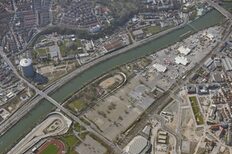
x=181 y=60
x=160 y=68
x=184 y=51
x=208 y=62
x=227 y=63
x=138 y=34
x=209 y=35
x=27 y=67
x=162 y=137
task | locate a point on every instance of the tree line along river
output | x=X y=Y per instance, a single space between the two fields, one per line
x=43 y=108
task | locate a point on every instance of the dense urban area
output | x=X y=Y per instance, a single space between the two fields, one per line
x=115 y=77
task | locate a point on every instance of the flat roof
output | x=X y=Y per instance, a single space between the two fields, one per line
x=183 y=50
x=209 y=35
x=136 y=145
x=137 y=32
x=162 y=141
x=181 y=60
x=160 y=68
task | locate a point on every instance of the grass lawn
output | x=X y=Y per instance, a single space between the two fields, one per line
x=65 y=51
x=78 y=43
x=196 y=110
x=51 y=149
x=152 y=29
x=77 y=105
x=71 y=142
x=78 y=127
x=42 y=51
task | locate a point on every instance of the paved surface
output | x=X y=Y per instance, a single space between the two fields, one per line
x=66 y=111
x=158 y=105
x=30 y=104
x=38 y=134
x=67 y=78
x=90 y=146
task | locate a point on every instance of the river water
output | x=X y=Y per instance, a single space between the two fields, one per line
x=40 y=111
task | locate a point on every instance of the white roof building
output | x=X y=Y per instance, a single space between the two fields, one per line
x=183 y=50
x=25 y=62
x=136 y=145
x=209 y=35
x=181 y=60
x=160 y=68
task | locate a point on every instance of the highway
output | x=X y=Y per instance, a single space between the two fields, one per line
x=29 y=105
x=40 y=94
x=66 y=111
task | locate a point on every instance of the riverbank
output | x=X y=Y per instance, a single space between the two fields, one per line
x=44 y=107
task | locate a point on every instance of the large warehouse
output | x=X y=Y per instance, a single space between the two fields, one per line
x=181 y=60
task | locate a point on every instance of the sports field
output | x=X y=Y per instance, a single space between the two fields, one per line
x=52 y=147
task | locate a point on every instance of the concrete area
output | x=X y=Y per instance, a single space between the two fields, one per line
x=90 y=146
x=41 y=131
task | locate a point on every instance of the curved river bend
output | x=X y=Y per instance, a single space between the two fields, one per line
x=37 y=114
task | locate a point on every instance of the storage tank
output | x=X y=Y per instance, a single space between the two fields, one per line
x=27 y=67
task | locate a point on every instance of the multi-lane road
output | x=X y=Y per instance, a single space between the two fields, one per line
x=44 y=94
x=29 y=105
x=59 y=106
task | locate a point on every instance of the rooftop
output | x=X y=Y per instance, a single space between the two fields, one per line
x=25 y=62
x=184 y=51
x=137 y=32
x=181 y=60
x=160 y=68
x=137 y=145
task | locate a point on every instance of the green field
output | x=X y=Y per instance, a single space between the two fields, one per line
x=42 y=51
x=196 y=110
x=70 y=142
x=51 y=149
x=152 y=30
x=77 y=105
x=65 y=51
x=78 y=127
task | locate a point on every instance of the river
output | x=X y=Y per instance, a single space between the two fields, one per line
x=39 y=112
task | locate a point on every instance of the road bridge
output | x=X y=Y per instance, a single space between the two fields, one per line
x=59 y=106
x=220 y=9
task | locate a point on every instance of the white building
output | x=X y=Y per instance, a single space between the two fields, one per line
x=136 y=145
x=160 y=68
x=89 y=46
x=210 y=36
x=181 y=60
x=183 y=50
